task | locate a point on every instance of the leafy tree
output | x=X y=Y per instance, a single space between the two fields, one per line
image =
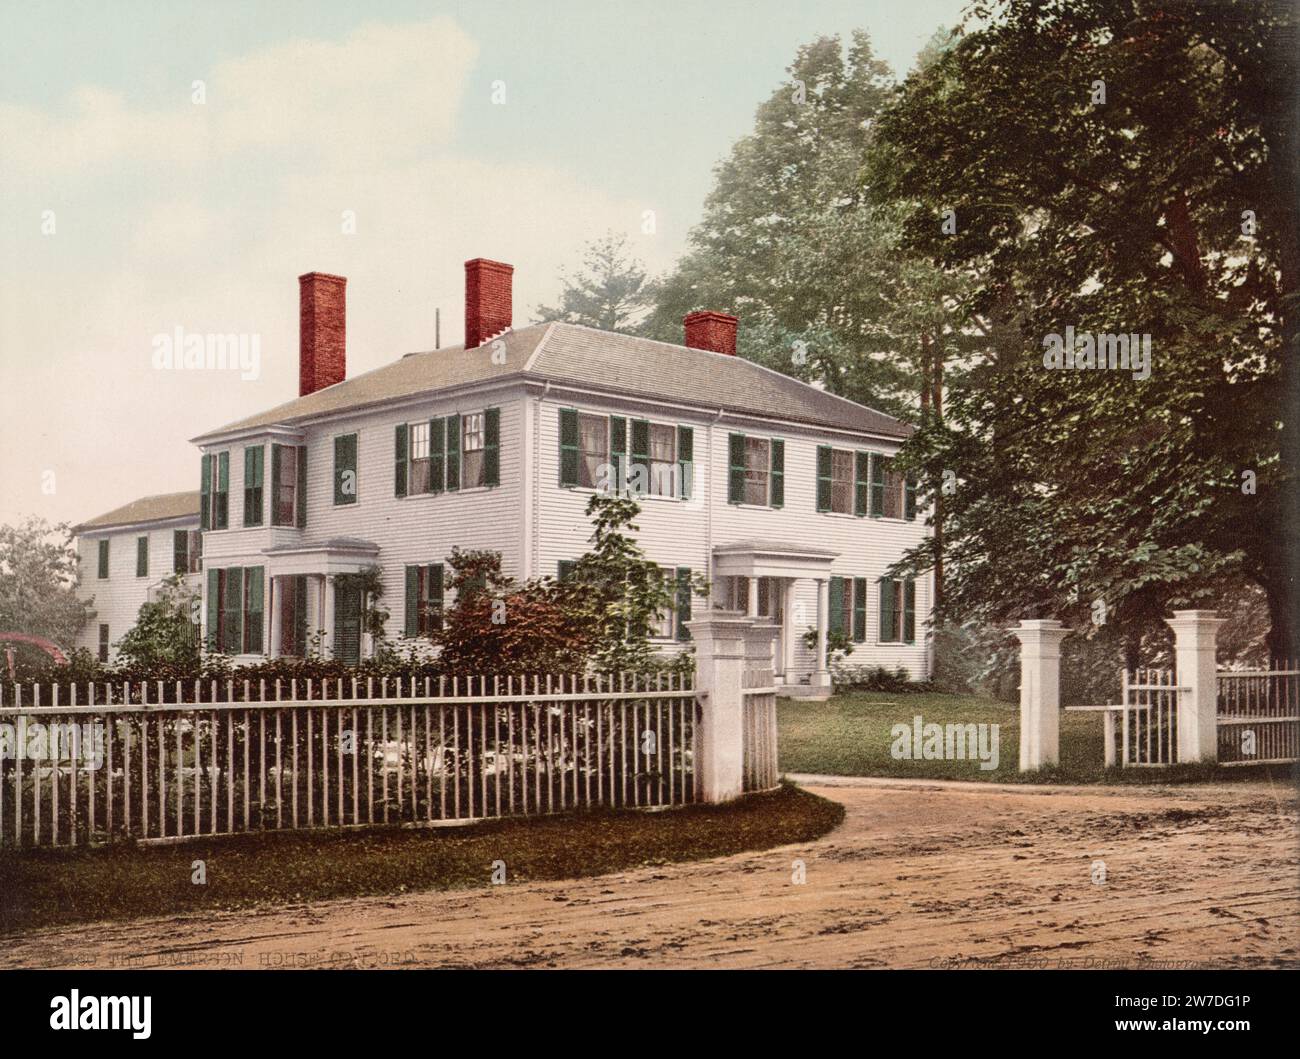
x=610 y=292
x=165 y=632
x=38 y=577
x=1079 y=490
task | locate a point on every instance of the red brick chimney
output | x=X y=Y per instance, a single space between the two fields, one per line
x=322 y=331
x=487 y=299
x=714 y=331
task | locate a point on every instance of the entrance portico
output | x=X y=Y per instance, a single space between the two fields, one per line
x=335 y=609
x=765 y=572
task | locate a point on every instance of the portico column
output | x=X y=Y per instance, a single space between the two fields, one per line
x=753 y=597
x=821 y=677
x=788 y=632
x=327 y=636
x=277 y=616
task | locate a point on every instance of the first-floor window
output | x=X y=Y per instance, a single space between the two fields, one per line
x=293 y=615
x=187 y=549
x=235 y=609
x=103 y=643
x=423 y=599
x=897 y=610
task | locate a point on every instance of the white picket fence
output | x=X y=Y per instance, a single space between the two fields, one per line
x=1259 y=716
x=758 y=698
x=167 y=761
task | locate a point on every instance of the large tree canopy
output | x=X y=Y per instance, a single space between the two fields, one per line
x=1112 y=166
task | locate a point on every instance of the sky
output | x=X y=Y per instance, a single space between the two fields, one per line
x=175 y=165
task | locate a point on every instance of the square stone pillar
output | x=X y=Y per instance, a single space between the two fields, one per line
x=1040 y=692
x=1195 y=639
x=721 y=647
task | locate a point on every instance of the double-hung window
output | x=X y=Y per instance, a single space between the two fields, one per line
x=897 y=610
x=473 y=449
x=756 y=470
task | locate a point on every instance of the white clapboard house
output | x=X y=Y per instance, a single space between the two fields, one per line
x=779 y=493
x=126 y=554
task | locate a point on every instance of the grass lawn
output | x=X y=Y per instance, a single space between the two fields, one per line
x=54 y=887
x=849 y=735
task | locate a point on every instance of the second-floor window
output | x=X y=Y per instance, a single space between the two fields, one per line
x=756 y=470
x=142 y=556
x=618 y=454
x=288 y=485
x=862 y=483
x=186 y=551
x=102 y=570
x=345 y=469
x=254 y=461
x=214 y=495
x=448 y=453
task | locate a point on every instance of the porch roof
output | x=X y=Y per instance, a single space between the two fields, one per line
x=338 y=555
x=772 y=558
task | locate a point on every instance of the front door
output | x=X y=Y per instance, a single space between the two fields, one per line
x=771 y=604
x=347 y=620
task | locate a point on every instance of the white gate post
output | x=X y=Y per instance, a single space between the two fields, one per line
x=1040 y=691
x=720 y=650
x=1195 y=634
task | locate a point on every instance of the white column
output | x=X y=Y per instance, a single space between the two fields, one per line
x=1195 y=636
x=753 y=597
x=789 y=632
x=1040 y=692
x=277 y=616
x=720 y=649
x=821 y=677
x=327 y=622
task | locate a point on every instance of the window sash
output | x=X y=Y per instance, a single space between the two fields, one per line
x=593 y=448
x=758 y=455
x=286 y=477
x=663 y=459
x=842 y=482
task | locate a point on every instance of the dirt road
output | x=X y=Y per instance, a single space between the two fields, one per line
x=918 y=875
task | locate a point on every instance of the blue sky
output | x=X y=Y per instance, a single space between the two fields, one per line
x=167 y=213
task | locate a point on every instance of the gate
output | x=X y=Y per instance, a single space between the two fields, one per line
x=1259 y=716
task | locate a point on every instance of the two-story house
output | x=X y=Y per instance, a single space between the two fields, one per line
x=124 y=556
x=779 y=493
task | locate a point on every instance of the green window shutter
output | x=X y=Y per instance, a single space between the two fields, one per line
x=103 y=560
x=564 y=570
x=253 y=485
x=861 y=483
x=877 y=485
x=909 y=610
x=618 y=452
x=823 y=477
x=345 y=469
x=275 y=484
x=180 y=551
x=685 y=459
x=735 y=468
x=777 y=493
x=836 y=622
x=888 y=623
x=909 y=500
x=492 y=446
x=568 y=446
x=433 y=578
x=221 y=512
x=641 y=453
x=214 y=613
x=412 y=601
x=300 y=495
x=235 y=609
x=438 y=453
x=683 y=602
x=205 y=492
x=859 y=610
x=142 y=557
x=453 y=452
x=399 y=460
x=254 y=641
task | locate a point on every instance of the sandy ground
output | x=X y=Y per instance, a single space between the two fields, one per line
x=919 y=875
